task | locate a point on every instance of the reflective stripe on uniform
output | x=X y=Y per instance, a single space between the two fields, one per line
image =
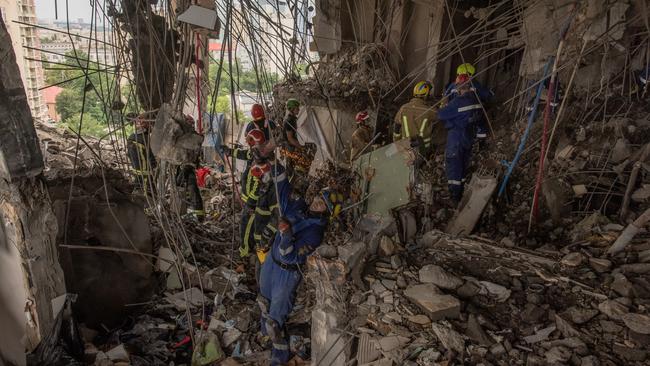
x=405 y=125
x=454 y=182
x=257 y=237
x=281 y=347
x=481 y=135
x=469 y=107
x=280 y=178
x=262 y=212
x=243 y=251
x=643 y=80
x=284 y=252
x=423 y=126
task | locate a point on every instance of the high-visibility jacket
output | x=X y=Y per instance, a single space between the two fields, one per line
x=415 y=119
x=140 y=155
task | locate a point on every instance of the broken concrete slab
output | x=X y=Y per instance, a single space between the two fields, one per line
x=192 y=297
x=367 y=349
x=476 y=197
x=173 y=139
x=419 y=319
x=351 y=254
x=476 y=333
x=166 y=258
x=430 y=299
x=329 y=345
x=621 y=285
x=437 y=275
x=386 y=247
x=118 y=353
x=391 y=343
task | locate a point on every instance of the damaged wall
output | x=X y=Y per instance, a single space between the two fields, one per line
x=29 y=267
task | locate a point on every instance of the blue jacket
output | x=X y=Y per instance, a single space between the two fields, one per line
x=460 y=117
x=306 y=232
x=484 y=93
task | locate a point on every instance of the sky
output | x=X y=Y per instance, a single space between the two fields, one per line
x=77 y=9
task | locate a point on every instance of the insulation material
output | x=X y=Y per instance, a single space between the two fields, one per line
x=329 y=129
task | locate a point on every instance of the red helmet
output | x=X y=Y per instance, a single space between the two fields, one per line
x=257 y=111
x=260 y=170
x=255 y=138
x=362 y=116
x=462 y=79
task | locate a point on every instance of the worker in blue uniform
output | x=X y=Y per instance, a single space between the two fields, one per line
x=300 y=231
x=460 y=117
x=485 y=95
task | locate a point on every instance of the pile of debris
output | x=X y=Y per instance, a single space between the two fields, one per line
x=480 y=302
x=357 y=74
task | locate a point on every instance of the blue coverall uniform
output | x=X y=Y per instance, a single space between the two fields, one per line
x=484 y=94
x=460 y=117
x=281 y=273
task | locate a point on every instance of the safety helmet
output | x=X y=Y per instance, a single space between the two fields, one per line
x=362 y=116
x=462 y=79
x=422 y=89
x=466 y=68
x=333 y=201
x=255 y=138
x=257 y=112
x=292 y=103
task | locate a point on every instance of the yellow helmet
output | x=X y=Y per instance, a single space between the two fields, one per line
x=466 y=68
x=422 y=89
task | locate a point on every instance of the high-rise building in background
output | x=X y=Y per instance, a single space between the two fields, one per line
x=26 y=45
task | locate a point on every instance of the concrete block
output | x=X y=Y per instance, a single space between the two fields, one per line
x=435 y=304
x=439 y=277
x=328 y=346
x=173 y=139
x=476 y=197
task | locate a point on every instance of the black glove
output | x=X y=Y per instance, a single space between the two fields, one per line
x=225 y=150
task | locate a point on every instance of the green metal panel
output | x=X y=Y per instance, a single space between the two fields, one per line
x=392 y=176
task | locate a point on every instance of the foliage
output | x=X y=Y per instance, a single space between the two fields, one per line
x=74 y=82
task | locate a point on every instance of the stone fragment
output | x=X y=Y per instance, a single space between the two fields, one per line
x=540 y=335
x=507 y=242
x=419 y=319
x=118 y=353
x=437 y=305
x=600 y=265
x=351 y=254
x=468 y=290
x=449 y=338
x=391 y=343
x=378 y=288
x=613 y=309
x=476 y=333
x=166 y=258
x=580 y=315
x=620 y=151
x=565 y=328
x=367 y=350
x=230 y=336
x=498 y=292
x=637 y=322
x=497 y=349
x=327 y=251
x=558 y=355
x=589 y=361
x=386 y=247
x=438 y=276
x=621 y=285
x=372 y=300
x=389 y=284
x=395 y=261
x=428 y=357
x=609 y=326
x=573 y=259
x=393 y=317
x=629 y=354
x=192 y=297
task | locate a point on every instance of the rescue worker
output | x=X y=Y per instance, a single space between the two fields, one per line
x=290 y=126
x=485 y=95
x=186 y=178
x=252 y=187
x=361 y=136
x=460 y=117
x=260 y=122
x=415 y=119
x=300 y=231
x=142 y=159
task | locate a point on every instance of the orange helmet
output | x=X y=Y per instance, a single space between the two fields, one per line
x=257 y=111
x=255 y=138
x=362 y=116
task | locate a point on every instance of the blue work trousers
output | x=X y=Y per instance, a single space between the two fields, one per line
x=278 y=292
x=457 y=160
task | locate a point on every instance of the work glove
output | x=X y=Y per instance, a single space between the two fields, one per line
x=267 y=234
x=225 y=150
